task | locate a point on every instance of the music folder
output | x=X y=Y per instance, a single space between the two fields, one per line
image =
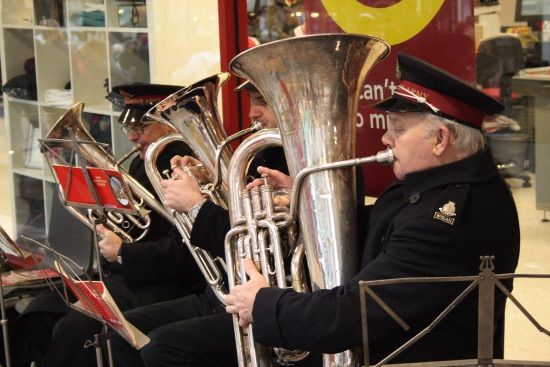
x=109 y=184
x=24 y=264
x=24 y=277
x=95 y=301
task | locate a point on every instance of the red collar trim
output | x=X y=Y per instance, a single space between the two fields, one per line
x=464 y=112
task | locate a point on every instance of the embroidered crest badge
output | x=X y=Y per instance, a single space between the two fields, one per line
x=446 y=213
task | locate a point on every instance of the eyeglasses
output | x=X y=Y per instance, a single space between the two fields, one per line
x=134 y=128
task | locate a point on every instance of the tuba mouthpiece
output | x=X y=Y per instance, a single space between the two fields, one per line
x=384 y=156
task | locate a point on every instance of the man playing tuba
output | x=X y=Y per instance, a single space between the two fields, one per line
x=449 y=207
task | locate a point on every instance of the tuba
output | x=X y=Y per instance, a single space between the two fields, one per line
x=69 y=133
x=312 y=85
x=193 y=113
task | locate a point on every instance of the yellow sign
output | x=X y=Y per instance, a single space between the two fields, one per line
x=394 y=24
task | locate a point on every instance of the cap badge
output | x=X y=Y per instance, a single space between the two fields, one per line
x=410 y=93
x=166 y=104
x=446 y=213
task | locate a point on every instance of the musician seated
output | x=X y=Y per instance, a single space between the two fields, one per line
x=153 y=269
x=449 y=207
x=198 y=322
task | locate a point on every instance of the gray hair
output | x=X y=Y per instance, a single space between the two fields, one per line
x=466 y=140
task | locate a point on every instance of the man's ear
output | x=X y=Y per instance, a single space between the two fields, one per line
x=443 y=138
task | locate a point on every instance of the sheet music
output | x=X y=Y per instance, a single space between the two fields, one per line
x=95 y=301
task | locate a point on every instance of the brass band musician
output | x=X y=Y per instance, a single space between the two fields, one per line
x=153 y=269
x=449 y=207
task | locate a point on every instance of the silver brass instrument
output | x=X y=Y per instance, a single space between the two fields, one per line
x=68 y=129
x=312 y=85
x=193 y=113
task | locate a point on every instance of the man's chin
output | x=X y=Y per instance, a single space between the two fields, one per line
x=142 y=152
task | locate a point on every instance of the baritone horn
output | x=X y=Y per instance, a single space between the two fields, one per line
x=312 y=85
x=69 y=133
x=193 y=112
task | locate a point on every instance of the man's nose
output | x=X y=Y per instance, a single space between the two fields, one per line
x=133 y=136
x=386 y=138
x=254 y=112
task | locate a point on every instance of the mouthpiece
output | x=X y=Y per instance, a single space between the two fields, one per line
x=384 y=156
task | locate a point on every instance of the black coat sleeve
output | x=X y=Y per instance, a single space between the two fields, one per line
x=210 y=227
x=212 y=222
x=163 y=260
x=160 y=256
x=415 y=245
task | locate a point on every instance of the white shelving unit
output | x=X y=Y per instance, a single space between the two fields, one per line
x=72 y=47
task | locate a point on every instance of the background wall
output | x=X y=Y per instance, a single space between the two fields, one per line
x=194 y=53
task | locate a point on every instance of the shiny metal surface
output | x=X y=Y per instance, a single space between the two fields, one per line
x=96 y=154
x=251 y=227
x=208 y=266
x=312 y=85
x=193 y=112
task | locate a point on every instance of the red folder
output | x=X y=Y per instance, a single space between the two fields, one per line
x=23 y=277
x=16 y=257
x=95 y=301
x=113 y=192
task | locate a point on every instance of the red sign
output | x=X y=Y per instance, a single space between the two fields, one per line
x=438 y=31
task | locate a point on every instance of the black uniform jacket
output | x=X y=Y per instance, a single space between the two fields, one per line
x=437 y=222
x=212 y=222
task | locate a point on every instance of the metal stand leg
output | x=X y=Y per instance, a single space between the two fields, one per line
x=4 y=323
x=97 y=345
x=544 y=219
x=109 y=350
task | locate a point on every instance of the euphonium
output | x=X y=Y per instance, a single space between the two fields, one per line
x=193 y=113
x=68 y=131
x=312 y=85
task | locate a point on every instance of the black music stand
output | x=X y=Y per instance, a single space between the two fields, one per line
x=10 y=247
x=28 y=276
x=93 y=300
x=82 y=185
x=486 y=282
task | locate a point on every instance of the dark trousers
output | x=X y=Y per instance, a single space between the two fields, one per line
x=184 y=332
x=30 y=337
x=54 y=335
x=68 y=338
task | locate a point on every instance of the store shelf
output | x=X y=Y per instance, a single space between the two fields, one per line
x=481 y=10
x=82 y=49
x=29 y=172
x=66 y=55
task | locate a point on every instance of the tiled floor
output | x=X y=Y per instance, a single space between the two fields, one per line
x=523 y=340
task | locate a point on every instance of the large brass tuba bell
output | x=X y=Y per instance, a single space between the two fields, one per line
x=69 y=129
x=312 y=85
